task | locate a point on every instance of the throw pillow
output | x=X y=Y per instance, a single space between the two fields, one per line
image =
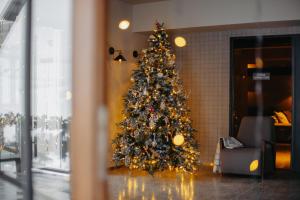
x=282 y=118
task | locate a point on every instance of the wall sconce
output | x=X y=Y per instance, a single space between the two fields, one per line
x=120 y=57
x=135 y=54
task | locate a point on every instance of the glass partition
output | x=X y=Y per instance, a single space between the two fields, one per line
x=51 y=88
x=12 y=46
x=35 y=81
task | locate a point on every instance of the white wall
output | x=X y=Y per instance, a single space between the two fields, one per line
x=202 y=13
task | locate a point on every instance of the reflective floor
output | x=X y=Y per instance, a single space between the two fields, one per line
x=47 y=186
x=205 y=185
x=136 y=185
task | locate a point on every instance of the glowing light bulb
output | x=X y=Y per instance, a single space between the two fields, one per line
x=124 y=24
x=180 y=41
x=178 y=140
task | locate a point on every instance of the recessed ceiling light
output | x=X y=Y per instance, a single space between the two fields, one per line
x=124 y=24
x=180 y=41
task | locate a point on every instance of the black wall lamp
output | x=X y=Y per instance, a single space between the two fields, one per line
x=120 y=57
x=135 y=54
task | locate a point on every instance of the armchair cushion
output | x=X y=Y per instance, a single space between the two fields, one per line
x=253 y=130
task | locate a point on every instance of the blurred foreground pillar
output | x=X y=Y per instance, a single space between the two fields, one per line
x=89 y=96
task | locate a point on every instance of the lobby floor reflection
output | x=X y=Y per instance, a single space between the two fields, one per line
x=137 y=185
x=126 y=184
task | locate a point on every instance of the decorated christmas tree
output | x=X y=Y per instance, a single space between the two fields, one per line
x=156 y=132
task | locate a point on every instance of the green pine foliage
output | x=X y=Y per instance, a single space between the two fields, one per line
x=156 y=116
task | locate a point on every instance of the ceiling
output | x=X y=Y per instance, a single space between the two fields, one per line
x=140 y=1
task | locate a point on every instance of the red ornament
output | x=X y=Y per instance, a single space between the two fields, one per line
x=151 y=109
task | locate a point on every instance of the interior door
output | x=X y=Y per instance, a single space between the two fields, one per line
x=261 y=77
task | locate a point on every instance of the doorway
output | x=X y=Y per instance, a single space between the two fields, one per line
x=262 y=83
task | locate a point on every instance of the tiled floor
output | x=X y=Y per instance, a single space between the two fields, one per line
x=127 y=185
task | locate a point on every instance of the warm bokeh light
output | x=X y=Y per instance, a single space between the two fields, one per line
x=283 y=156
x=178 y=140
x=259 y=62
x=124 y=24
x=180 y=41
x=251 y=66
x=253 y=165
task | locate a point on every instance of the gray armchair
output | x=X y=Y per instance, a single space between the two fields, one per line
x=258 y=155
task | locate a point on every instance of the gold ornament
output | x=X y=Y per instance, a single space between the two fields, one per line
x=152 y=124
x=154 y=143
x=145 y=92
x=162 y=105
x=152 y=37
x=178 y=140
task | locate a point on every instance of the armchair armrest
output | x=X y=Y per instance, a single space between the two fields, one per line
x=267 y=142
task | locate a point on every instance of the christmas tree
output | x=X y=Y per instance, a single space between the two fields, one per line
x=156 y=131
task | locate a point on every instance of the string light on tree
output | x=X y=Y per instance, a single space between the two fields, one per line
x=156 y=115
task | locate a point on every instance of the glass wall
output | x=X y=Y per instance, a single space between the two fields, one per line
x=12 y=33
x=51 y=83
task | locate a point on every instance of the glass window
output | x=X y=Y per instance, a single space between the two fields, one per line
x=51 y=83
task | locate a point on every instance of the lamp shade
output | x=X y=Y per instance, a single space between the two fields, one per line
x=120 y=58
